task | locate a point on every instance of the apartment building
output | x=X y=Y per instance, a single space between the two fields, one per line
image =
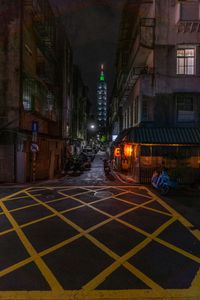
x=157 y=90
x=35 y=90
x=80 y=112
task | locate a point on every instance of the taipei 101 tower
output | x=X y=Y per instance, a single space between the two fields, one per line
x=102 y=102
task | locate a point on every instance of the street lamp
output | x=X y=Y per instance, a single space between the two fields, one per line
x=92 y=126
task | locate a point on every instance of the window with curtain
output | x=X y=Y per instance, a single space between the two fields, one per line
x=185 y=61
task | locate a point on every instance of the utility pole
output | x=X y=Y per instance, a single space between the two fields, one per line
x=34 y=149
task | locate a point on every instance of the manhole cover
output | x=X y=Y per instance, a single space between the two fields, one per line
x=103 y=194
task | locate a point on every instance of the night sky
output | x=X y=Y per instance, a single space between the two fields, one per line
x=93 y=28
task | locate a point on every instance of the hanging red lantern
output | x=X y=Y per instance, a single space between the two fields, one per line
x=117 y=152
x=128 y=149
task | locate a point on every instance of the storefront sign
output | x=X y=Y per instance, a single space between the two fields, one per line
x=117 y=152
x=128 y=149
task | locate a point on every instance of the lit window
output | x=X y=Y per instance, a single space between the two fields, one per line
x=27 y=103
x=185 y=108
x=185 y=61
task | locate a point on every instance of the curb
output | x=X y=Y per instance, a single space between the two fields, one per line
x=124 y=179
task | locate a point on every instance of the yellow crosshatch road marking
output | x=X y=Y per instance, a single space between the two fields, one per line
x=20 y=197
x=87 y=292
x=54 y=284
x=182 y=220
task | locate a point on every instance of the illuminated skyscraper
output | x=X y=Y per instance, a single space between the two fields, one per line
x=102 y=102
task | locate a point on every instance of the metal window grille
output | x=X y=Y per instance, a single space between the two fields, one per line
x=185 y=108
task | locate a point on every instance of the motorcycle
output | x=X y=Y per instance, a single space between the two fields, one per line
x=162 y=182
x=107 y=169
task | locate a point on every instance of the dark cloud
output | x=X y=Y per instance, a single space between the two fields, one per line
x=92 y=26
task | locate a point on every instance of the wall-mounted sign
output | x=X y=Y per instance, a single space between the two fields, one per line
x=117 y=152
x=114 y=136
x=128 y=149
x=35 y=126
x=34 y=148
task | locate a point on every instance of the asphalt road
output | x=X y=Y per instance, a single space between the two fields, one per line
x=90 y=237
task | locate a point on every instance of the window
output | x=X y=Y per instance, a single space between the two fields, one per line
x=29 y=91
x=185 y=108
x=27 y=104
x=185 y=61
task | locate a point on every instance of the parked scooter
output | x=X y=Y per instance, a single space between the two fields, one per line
x=107 y=169
x=162 y=182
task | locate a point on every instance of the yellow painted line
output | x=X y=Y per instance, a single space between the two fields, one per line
x=80 y=193
x=88 y=236
x=60 y=245
x=196 y=282
x=48 y=217
x=91 y=285
x=55 y=247
x=158 y=211
x=103 y=295
x=123 y=261
x=43 y=188
x=111 y=217
x=12 y=195
x=15 y=266
x=52 y=281
x=96 y=225
x=37 y=221
x=20 y=197
x=135 y=228
x=6 y=231
x=36 y=204
x=40 y=219
x=182 y=219
x=144 y=278
x=101 y=277
x=135 y=206
x=164 y=243
x=138 y=194
x=178 y=250
x=56 y=213
x=23 y=207
x=90 y=206
x=145 y=207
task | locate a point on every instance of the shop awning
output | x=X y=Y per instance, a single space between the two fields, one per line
x=166 y=135
x=121 y=136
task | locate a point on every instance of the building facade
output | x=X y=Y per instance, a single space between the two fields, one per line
x=102 y=103
x=35 y=90
x=158 y=69
x=80 y=112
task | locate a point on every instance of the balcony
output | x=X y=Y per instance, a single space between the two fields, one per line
x=133 y=75
x=45 y=72
x=43 y=25
x=187 y=17
x=188 y=26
